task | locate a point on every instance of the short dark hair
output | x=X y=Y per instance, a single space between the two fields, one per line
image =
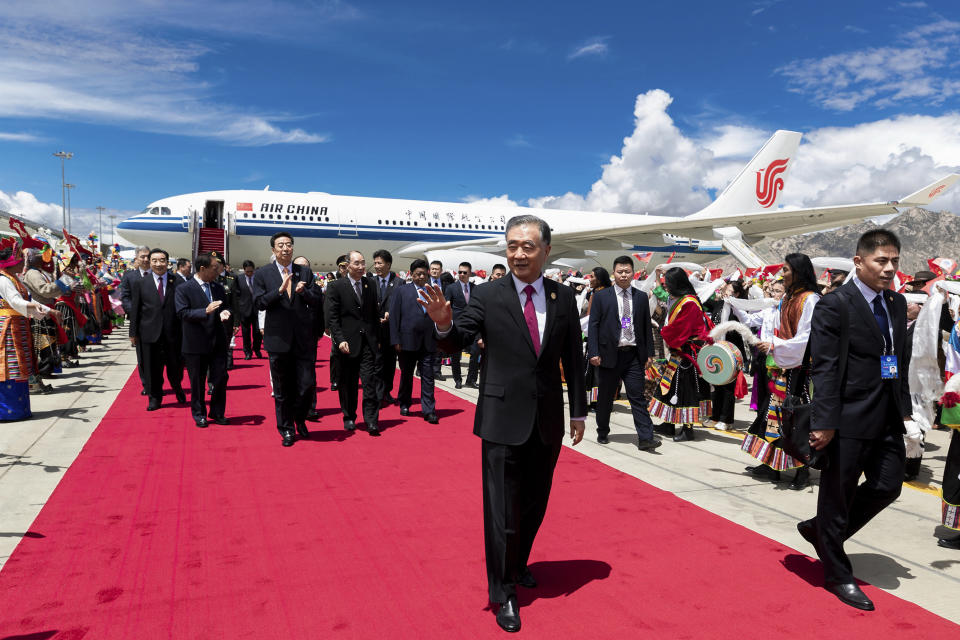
x=280 y=234
x=163 y=251
x=527 y=218
x=437 y=262
x=384 y=255
x=498 y=266
x=249 y=263
x=467 y=265
x=419 y=263
x=622 y=260
x=203 y=260
x=181 y=262
x=873 y=240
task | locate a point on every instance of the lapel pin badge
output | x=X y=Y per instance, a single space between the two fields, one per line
x=553 y=296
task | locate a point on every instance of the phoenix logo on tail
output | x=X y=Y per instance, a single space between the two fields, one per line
x=769 y=184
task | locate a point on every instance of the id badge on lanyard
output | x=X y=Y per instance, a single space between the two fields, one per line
x=889 y=370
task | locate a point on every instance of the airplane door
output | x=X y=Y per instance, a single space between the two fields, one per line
x=213 y=214
x=348 y=224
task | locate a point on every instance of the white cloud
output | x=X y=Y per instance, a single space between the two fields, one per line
x=854 y=29
x=920 y=69
x=49 y=214
x=912 y=5
x=502 y=200
x=108 y=62
x=660 y=170
x=594 y=47
x=21 y=137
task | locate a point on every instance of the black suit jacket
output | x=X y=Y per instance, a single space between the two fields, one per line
x=410 y=327
x=860 y=405
x=603 y=334
x=246 y=305
x=454 y=293
x=289 y=323
x=202 y=332
x=151 y=321
x=129 y=279
x=519 y=390
x=348 y=319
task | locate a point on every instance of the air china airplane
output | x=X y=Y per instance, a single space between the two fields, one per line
x=239 y=223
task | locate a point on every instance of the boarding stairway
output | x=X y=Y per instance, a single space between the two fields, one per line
x=212 y=239
x=733 y=242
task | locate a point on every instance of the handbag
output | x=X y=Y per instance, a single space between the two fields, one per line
x=796 y=410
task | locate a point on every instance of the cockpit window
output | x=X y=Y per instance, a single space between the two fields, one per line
x=164 y=211
x=154 y=211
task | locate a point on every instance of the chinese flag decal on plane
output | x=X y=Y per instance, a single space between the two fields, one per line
x=769 y=182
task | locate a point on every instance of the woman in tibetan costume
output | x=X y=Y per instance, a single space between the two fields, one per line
x=16 y=344
x=682 y=398
x=785 y=351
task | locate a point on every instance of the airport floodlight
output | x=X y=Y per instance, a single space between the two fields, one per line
x=64 y=156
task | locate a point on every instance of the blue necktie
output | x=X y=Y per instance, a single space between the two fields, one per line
x=206 y=290
x=882 y=321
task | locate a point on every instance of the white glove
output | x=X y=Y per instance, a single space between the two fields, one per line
x=913 y=439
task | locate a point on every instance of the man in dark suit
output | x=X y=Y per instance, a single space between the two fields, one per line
x=183 y=270
x=201 y=306
x=354 y=321
x=229 y=283
x=859 y=406
x=386 y=282
x=155 y=327
x=287 y=293
x=247 y=313
x=140 y=268
x=412 y=336
x=458 y=293
x=334 y=351
x=620 y=344
x=530 y=325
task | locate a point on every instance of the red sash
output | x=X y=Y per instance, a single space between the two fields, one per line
x=68 y=300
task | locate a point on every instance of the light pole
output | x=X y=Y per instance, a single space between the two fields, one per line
x=68 y=187
x=100 y=229
x=112 y=218
x=63 y=155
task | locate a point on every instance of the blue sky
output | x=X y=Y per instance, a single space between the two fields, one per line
x=450 y=101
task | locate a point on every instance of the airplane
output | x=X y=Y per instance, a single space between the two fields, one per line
x=238 y=223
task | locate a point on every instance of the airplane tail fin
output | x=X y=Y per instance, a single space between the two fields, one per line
x=929 y=192
x=758 y=186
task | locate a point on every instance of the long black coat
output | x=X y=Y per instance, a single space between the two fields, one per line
x=151 y=321
x=289 y=324
x=202 y=331
x=348 y=319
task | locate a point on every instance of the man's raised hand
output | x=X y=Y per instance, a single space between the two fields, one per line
x=437 y=306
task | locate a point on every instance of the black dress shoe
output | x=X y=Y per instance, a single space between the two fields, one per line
x=374 y=430
x=808 y=530
x=603 y=440
x=181 y=396
x=666 y=429
x=143 y=392
x=387 y=401
x=649 y=445
x=949 y=543
x=153 y=406
x=458 y=385
x=218 y=420
x=440 y=377
x=508 y=615
x=202 y=423
x=349 y=425
x=259 y=356
x=432 y=418
x=313 y=415
x=849 y=593
x=333 y=386
x=404 y=411
x=801 y=480
x=302 y=430
x=685 y=434
x=472 y=385
x=287 y=438
x=526 y=579
x=763 y=471
x=247 y=356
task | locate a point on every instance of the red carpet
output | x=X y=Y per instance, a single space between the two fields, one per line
x=163 y=530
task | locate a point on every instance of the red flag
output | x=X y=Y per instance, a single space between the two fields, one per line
x=74 y=243
x=771 y=269
x=27 y=241
x=670 y=259
x=942 y=266
x=244 y=206
x=751 y=272
x=903 y=280
x=643 y=257
x=716 y=273
x=481 y=272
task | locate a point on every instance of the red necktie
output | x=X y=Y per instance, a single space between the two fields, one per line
x=160 y=289
x=530 y=315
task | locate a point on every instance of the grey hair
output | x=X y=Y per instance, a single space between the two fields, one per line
x=141 y=249
x=527 y=218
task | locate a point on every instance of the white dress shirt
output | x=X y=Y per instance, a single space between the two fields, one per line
x=633 y=313
x=869 y=295
x=156 y=282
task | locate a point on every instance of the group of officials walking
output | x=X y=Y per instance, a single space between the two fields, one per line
x=528 y=330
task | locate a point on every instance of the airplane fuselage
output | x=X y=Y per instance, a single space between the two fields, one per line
x=325 y=226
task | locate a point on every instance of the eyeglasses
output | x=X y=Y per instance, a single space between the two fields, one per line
x=464 y=273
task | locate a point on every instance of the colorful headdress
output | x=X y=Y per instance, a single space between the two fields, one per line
x=16 y=252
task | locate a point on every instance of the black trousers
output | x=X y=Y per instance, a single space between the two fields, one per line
x=140 y=369
x=516 y=488
x=843 y=508
x=354 y=369
x=158 y=356
x=472 y=369
x=629 y=368
x=408 y=362
x=251 y=335
x=200 y=369
x=388 y=365
x=294 y=381
x=724 y=400
x=334 y=363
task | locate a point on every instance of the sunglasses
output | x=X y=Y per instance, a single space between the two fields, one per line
x=464 y=273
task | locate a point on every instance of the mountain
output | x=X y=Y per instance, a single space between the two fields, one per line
x=924 y=234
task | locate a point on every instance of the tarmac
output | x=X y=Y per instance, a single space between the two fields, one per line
x=897 y=551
